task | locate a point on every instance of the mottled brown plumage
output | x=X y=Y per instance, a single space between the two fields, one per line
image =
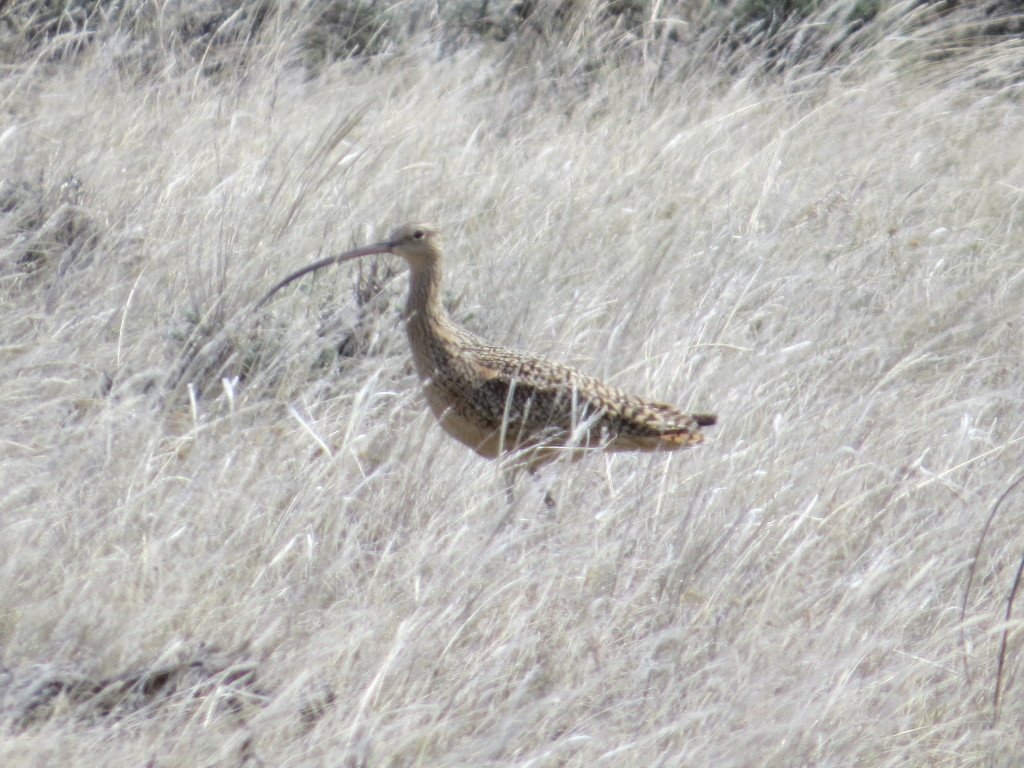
x=499 y=401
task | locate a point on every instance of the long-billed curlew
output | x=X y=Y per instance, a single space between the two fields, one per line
x=499 y=401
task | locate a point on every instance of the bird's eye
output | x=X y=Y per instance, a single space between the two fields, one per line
x=419 y=234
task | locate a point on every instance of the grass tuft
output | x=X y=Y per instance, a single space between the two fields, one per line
x=237 y=536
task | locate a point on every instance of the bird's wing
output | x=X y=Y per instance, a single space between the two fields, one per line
x=543 y=395
x=537 y=394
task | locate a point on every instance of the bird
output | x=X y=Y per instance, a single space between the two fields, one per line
x=503 y=403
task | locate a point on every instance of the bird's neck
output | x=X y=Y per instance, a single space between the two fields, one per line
x=423 y=308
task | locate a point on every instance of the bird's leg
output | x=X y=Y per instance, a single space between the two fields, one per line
x=549 y=500
x=512 y=470
x=509 y=473
x=608 y=474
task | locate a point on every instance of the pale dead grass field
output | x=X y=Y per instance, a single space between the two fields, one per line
x=297 y=568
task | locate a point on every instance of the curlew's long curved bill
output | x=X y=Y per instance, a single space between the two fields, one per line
x=366 y=250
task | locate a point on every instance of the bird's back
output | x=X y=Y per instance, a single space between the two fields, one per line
x=497 y=400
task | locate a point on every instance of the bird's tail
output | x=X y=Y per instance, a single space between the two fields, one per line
x=681 y=439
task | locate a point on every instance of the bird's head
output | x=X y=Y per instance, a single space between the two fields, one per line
x=418 y=242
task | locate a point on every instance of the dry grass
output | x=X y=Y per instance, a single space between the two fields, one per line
x=225 y=543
